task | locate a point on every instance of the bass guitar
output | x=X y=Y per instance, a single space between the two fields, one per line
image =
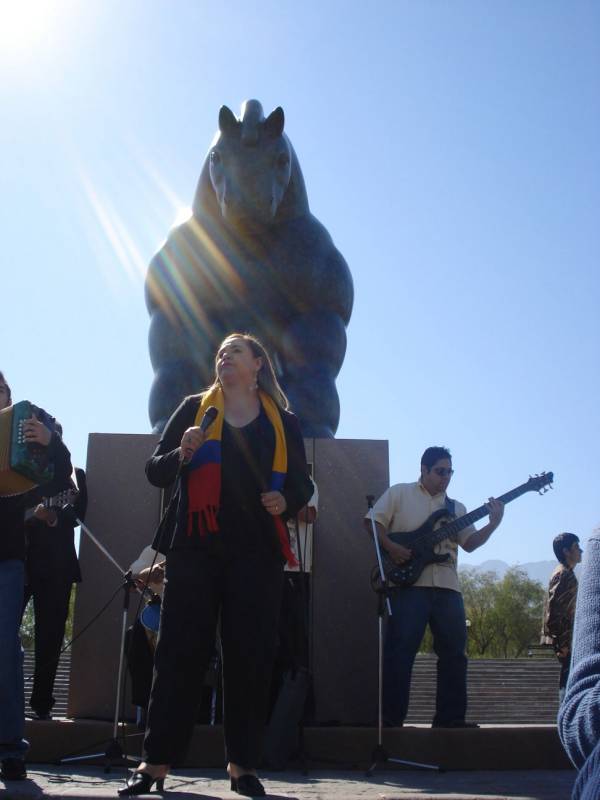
x=438 y=527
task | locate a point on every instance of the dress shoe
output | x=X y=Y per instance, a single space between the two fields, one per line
x=141 y=783
x=248 y=785
x=13 y=769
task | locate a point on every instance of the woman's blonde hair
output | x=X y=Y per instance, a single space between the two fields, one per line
x=265 y=378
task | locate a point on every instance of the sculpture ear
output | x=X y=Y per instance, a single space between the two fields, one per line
x=228 y=124
x=274 y=123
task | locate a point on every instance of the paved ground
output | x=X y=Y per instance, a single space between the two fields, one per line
x=92 y=782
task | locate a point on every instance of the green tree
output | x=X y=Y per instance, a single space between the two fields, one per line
x=479 y=590
x=27 y=628
x=69 y=623
x=504 y=615
x=517 y=612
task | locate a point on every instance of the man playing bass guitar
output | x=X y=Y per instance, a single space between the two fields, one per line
x=433 y=597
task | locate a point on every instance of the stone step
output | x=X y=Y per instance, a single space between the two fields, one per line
x=489 y=748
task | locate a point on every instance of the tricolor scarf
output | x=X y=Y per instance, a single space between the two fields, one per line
x=204 y=476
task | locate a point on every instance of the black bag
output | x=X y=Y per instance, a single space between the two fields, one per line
x=282 y=738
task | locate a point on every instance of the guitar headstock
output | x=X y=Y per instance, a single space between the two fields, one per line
x=540 y=483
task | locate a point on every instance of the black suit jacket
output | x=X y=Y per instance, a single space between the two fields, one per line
x=53 y=548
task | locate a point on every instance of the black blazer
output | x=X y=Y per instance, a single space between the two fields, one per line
x=163 y=468
x=54 y=548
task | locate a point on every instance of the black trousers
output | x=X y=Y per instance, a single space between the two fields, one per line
x=246 y=592
x=51 y=593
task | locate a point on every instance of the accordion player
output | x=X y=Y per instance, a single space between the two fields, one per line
x=23 y=465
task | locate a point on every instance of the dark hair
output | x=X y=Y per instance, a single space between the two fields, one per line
x=3 y=379
x=562 y=542
x=266 y=379
x=434 y=454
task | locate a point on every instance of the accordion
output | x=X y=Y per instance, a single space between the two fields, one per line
x=23 y=465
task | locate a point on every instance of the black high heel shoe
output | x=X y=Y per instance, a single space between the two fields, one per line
x=248 y=785
x=141 y=783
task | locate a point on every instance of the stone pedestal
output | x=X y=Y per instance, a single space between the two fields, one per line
x=123 y=513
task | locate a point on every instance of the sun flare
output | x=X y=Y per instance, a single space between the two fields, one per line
x=28 y=27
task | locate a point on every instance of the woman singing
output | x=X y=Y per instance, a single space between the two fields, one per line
x=226 y=544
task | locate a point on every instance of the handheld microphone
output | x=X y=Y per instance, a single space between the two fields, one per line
x=209 y=417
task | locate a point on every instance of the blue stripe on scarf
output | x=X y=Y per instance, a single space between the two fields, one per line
x=209 y=453
x=277 y=481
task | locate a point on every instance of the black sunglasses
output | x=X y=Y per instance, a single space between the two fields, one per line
x=443 y=471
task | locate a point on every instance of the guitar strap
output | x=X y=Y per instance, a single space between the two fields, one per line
x=451 y=509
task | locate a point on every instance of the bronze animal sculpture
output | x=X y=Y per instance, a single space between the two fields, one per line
x=251 y=258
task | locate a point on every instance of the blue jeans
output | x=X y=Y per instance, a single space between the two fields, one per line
x=412 y=609
x=12 y=698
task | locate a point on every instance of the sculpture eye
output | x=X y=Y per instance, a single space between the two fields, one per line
x=283 y=160
x=215 y=157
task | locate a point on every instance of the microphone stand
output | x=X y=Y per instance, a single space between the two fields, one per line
x=380 y=755
x=113 y=754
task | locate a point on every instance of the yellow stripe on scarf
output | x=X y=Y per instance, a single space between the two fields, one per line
x=215 y=398
x=212 y=398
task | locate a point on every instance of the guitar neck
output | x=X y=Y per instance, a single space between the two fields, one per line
x=452 y=528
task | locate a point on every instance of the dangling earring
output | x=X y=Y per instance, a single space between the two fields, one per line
x=254 y=386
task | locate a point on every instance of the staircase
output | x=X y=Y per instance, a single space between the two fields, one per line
x=519 y=691
x=512 y=691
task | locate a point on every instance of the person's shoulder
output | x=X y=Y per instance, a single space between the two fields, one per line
x=190 y=402
x=183 y=414
x=559 y=574
x=594 y=540
x=412 y=486
x=398 y=490
x=289 y=419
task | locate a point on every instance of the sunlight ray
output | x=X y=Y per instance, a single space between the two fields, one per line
x=115 y=232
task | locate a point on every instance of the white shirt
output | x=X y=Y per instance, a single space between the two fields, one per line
x=145 y=560
x=404 y=507
x=297 y=528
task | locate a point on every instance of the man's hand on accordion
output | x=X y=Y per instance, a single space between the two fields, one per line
x=36 y=431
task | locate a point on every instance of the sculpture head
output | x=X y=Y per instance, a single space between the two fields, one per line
x=252 y=170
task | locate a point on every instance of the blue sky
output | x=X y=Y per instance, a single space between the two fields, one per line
x=451 y=149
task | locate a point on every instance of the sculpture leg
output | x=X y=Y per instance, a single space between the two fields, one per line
x=311 y=352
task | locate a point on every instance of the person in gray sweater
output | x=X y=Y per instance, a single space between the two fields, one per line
x=579 y=714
